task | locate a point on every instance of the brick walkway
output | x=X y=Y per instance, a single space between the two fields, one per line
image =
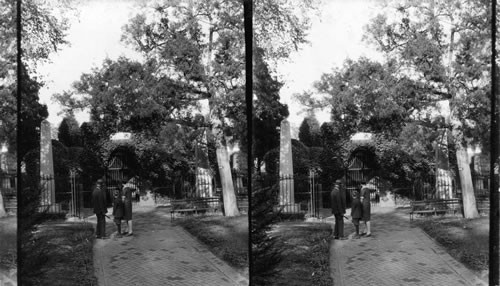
x=159 y=253
x=396 y=254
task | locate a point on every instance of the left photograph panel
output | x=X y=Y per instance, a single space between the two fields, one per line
x=8 y=146
x=131 y=134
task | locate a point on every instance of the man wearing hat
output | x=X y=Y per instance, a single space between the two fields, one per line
x=338 y=201
x=100 y=209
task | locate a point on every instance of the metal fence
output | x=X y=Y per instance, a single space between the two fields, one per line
x=446 y=187
x=8 y=191
x=47 y=202
x=307 y=194
x=481 y=185
x=68 y=198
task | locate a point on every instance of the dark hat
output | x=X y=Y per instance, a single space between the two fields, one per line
x=100 y=181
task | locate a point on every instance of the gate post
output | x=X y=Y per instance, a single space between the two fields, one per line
x=314 y=195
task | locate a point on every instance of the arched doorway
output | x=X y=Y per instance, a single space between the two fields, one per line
x=362 y=168
x=121 y=166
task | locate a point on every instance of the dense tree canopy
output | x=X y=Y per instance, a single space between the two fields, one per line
x=129 y=96
x=42 y=33
x=282 y=26
x=445 y=47
x=268 y=111
x=69 y=132
x=309 y=132
x=437 y=54
x=200 y=44
x=368 y=96
x=7 y=73
x=32 y=114
x=44 y=26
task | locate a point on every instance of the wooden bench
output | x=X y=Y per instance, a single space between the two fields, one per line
x=453 y=206
x=483 y=204
x=9 y=199
x=194 y=206
x=435 y=207
x=242 y=203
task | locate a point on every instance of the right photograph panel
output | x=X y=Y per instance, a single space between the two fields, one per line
x=371 y=142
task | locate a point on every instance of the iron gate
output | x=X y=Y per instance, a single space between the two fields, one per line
x=307 y=192
x=76 y=190
x=360 y=173
x=118 y=172
x=316 y=195
x=68 y=200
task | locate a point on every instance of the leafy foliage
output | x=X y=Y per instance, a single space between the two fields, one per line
x=367 y=96
x=43 y=32
x=436 y=52
x=281 y=26
x=265 y=254
x=444 y=45
x=31 y=116
x=309 y=132
x=201 y=45
x=44 y=27
x=7 y=73
x=268 y=111
x=69 y=132
x=128 y=96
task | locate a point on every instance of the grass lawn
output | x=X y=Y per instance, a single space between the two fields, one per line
x=8 y=244
x=226 y=237
x=305 y=251
x=65 y=256
x=466 y=240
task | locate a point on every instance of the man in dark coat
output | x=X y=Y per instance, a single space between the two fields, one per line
x=338 y=209
x=100 y=209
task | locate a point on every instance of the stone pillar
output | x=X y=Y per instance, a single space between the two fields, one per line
x=444 y=185
x=204 y=177
x=286 y=197
x=204 y=180
x=46 y=165
x=238 y=180
x=2 y=207
x=3 y=162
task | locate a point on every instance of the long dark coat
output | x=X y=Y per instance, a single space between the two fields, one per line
x=338 y=201
x=356 y=208
x=127 y=203
x=99 y=201
x=118 y=206
x=365 y=193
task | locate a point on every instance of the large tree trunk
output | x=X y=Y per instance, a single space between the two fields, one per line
x=468 y=197
x=228 y=195
x=226 y=179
